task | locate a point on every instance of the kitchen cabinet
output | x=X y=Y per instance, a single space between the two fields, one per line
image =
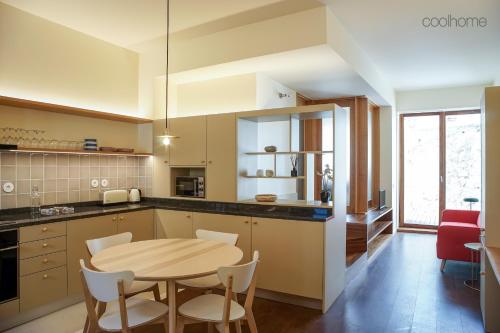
x=78 y=232
x=189 y=148
x=42 y=231
x=42 y=288
x=173 y=224
x=227 y=223
x=291 y=255
x=139 y=223
x=220 y=181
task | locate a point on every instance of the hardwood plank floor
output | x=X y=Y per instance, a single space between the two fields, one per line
x=401 y=290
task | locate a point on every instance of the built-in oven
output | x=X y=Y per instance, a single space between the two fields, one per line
x=9 y=275
x=190 y=186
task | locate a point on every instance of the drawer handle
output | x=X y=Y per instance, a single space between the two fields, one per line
x=255 y=223
x=45 y=245
x=44 y=229
x=114 y=218
x=45 y=260
x=45 y=276
x=246 y=222
x=121 y=218
x=188 y=216
x=202 y=162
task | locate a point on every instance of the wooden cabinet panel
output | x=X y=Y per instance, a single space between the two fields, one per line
x=9 y=309
x=291 y=255
x=190 y=146
x=42 y=263
x=173 y=224
x=221 y=156
x=42 y=288
x=227 y=223
x=40 y=247
x=78 y=232
x=139 y=223
x=42 y=231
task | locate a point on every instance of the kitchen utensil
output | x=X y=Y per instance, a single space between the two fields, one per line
x=270 y=149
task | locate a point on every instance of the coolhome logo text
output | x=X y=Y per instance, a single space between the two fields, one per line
x=454 y=22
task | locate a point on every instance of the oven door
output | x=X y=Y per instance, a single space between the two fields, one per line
x=8 y=265
x=186 y=186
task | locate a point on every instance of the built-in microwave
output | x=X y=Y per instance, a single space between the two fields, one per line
x=190 y=186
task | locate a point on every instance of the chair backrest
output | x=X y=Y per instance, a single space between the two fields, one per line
x=225 y=237
x=242 y=274
x=99 y=244
x=103 y=286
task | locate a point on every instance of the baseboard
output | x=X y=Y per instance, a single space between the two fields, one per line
x=417 y=230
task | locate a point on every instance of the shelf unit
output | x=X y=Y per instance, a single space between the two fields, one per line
x=276 y=177
x=75 y=152
x=290 y=152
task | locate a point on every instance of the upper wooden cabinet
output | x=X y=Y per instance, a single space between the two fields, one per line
x=227 y=223
x=139 y=223
x=173 y=224
x=221 y=155
x=189 y=148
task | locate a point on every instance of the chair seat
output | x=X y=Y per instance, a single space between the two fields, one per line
x=205 y=282
x=139 y=311
x=140 y=286
x=210 y=308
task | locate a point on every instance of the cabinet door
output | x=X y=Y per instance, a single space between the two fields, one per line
x=78 y=232
x=42 y=288
x=173 y=224
x=139 y=223
x=221 y=156
x=227 y=223
x=189 y=148
x=291 y=255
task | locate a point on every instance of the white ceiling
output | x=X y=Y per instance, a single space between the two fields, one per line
x=413 y=57
x=129 y=22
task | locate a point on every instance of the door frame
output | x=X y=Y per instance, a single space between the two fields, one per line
x=442 y=161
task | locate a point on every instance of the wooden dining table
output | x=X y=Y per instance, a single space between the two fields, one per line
x=168 y=260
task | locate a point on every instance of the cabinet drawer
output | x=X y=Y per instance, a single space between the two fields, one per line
x=42 y=231
x=42 y=263
x=41 y=247
x=43 y=288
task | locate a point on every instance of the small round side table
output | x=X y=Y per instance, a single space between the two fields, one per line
x=475 y=253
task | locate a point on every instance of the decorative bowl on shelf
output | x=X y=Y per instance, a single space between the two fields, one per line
x=266 y=197
x=270 y=149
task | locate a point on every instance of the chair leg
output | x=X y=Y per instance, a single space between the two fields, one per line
x=443 y=263
x=252 y=326
x=156 y=293
x=237 y=323
x=226 y=328
x=101 y=308
x=86 y=326
x=180 y=324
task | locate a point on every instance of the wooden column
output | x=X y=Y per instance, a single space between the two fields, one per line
x=313 y=137
x=359 y=152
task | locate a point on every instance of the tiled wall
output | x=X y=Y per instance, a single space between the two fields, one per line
x=66 y=178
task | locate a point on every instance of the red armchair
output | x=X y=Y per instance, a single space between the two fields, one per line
x=457 y=227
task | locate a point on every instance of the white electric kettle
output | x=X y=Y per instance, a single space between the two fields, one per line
x=134 y=195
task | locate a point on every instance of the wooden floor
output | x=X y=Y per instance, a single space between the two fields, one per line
x=401 y=290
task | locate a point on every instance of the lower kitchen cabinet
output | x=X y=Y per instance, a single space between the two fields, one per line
x=42 y=288
x=139 y=223
x=227 y=223
x=173 y=224
x=291 y=255
x=78 y=232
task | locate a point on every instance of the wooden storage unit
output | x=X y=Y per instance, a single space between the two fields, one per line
x=42 y=288
x=189 y=148
x=41 y=263
x=139 y=223
x=42 y=231
x=227 y=223
x=364 y=229
x=292 y=256
x=173 y=224
x=220 y=180
x=9 y=309
x=41 y=247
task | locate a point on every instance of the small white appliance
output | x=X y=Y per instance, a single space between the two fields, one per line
x=114 y=197
x=134 y=195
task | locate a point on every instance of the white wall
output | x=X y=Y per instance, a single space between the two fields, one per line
x=44 y=61
x=467 y=97
x=267 y=94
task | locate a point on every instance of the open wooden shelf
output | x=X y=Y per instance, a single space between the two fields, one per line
x=276 y=177
x=317 y=152
x=42 y=106
x=76 y=152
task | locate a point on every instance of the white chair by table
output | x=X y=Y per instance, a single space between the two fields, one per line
x=106 y=287
x=137 y=287
x=211 y=281
x=213 y=308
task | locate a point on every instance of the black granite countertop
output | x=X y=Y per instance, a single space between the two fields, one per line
x=19 y=217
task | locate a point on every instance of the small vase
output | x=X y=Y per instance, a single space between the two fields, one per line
x=294 y=172
x=325 y=196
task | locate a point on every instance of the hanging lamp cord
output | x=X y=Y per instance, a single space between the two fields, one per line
x=166 y=77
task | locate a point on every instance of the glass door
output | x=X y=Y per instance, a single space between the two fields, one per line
x=440 y=165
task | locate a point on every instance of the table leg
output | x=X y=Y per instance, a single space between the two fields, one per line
x=172 y=308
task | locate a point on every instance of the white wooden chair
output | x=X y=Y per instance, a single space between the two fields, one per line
x=222 y=310
x=211 y=281
x=137 y=287
x=107 y=287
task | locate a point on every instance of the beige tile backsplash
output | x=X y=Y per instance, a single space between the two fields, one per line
x=63 y=178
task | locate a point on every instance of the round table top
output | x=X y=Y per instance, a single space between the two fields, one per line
x=474 y=246
x=167 y=259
